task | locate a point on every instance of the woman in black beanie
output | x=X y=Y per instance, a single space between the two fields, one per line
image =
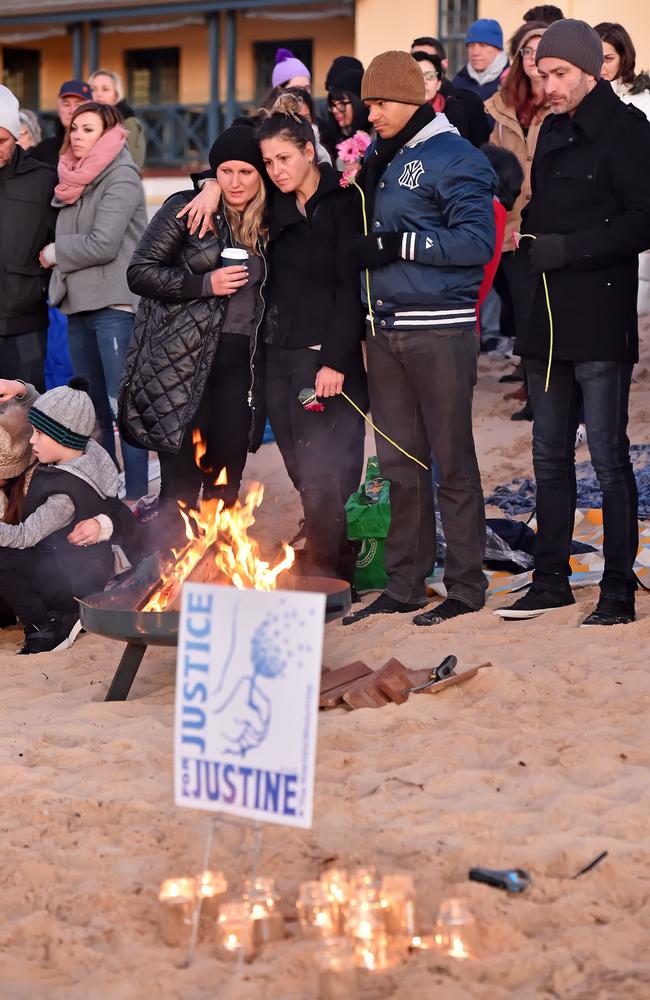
x=192 y=364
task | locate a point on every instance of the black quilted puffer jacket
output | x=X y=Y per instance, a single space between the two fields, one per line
x=176 y=332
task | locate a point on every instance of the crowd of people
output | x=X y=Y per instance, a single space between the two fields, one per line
x=321 y=267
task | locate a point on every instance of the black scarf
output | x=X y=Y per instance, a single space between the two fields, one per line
x=385 y=149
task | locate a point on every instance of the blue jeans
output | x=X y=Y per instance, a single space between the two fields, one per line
x=98 y=342
x=605 y=389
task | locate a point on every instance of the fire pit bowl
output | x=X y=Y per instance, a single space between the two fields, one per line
x=111 y=614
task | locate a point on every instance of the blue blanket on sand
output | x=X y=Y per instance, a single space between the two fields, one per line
x=518 y=497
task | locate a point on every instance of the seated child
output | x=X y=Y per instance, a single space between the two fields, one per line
x=46 y=557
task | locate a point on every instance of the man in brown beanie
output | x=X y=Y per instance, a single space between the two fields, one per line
x=587 y=221
x=431 y=224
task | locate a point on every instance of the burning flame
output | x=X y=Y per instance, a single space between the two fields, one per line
x=236 y=555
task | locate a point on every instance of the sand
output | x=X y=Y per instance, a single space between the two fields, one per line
x=540 y=762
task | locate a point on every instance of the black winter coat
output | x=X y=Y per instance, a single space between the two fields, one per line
x=465 y=110
x=27 y=222
x=590 y=183
x=313 y=297
x=176 y=332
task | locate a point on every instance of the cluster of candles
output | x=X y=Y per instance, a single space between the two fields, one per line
x=368 y=922
x=358 y=919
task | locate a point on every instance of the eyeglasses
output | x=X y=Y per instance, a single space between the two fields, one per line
x=430 y=76
x=527 y=53
x=338 y=105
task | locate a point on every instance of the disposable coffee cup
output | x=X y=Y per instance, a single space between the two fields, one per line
x=233 y=257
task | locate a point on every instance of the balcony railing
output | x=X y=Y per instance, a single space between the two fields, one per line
x=178 y=135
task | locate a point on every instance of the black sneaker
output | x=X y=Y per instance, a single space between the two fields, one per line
x=55 y=632
x=443 y=612
x=383 y=605
x=610 y=611
x=538 y=601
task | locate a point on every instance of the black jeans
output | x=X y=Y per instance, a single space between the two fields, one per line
x=224 y=420
x=322 y=452
x=30 y=588
x=421 y=387
x=23 y=357
x=605 y=388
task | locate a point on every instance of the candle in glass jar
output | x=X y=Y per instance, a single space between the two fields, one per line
x=211 y=886
x=366 y=928
x=316 y=911
x=177 y=897
x=455 y=930
x=337 y=886
x=235 y=931
x=337 y=971
x=398 y=901
x=264 y=902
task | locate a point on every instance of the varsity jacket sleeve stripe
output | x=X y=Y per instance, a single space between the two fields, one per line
x=468 y=236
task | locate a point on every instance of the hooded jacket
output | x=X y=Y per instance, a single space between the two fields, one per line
x=437 y=191
x=27 y=222
x=590 y=184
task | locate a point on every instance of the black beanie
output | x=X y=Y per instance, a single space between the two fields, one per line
x=237 y=143
x=341 y=65
x=347 y=82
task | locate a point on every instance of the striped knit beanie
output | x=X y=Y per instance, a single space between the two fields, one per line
x=66 y=414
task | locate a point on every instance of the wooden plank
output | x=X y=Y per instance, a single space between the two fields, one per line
x=366 y=693
x=343 y=675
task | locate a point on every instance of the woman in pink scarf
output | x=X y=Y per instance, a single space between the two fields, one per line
x=101 y=220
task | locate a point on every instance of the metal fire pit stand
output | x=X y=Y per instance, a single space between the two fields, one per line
x=105 y=614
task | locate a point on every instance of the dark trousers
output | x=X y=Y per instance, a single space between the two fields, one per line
x=224 y=420
x=605 y=389
x=421 y=386
x=23 y=357
x=322 y=452
x=29 y=591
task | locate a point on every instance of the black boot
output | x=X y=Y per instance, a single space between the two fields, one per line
x=384 y=605
x=610 y=611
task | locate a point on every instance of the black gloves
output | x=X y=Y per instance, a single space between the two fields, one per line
x=547 y=253
x=376 y=250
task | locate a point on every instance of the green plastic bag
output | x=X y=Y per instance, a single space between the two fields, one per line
x=368 y=519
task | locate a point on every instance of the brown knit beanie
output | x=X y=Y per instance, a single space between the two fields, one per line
x=576 y=42
x=393 y=76
x=15 y=449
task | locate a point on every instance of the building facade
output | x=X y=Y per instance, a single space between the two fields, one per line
x=190 y=66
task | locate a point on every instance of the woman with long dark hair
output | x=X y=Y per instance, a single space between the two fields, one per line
x=192 y=366
x=312 y=331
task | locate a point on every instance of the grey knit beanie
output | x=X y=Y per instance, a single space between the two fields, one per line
x=66 y=413
x=574 y=41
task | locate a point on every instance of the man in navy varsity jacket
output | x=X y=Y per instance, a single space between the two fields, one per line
x=431 y=229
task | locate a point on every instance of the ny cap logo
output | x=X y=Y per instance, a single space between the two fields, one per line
x=411 y=174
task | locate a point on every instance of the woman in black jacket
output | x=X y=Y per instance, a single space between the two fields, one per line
x=192 y=364
x=312 y=332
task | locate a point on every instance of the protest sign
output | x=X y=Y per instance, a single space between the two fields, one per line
x=247 y=683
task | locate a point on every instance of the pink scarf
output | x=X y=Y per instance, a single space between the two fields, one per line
x=75 y=174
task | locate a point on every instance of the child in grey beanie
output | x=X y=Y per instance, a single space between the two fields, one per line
x=43 y=566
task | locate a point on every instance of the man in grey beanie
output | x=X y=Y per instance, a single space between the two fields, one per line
x=587 y=221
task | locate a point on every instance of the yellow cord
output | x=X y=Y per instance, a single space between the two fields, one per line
x=529 y=236
x=365 y=233
x=385 y=436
